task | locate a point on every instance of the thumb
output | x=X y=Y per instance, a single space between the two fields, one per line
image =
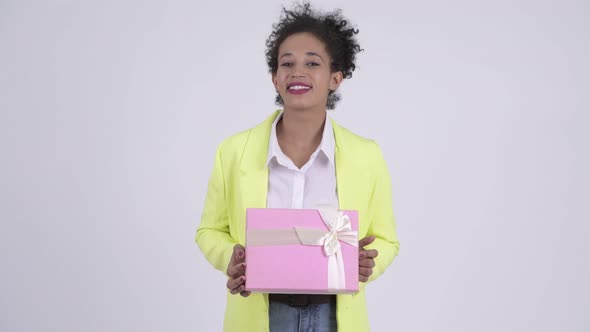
x=239 y=253
x=366 y=241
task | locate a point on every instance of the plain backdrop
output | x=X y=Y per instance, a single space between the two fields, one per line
x=111 y=112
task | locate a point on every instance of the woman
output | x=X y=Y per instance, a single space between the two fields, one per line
x=299 y=158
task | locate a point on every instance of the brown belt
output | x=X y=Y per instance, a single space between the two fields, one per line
x=302 y=300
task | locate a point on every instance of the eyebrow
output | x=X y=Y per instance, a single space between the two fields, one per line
x=306 y=53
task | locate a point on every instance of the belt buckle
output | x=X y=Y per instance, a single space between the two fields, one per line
x=298 y=300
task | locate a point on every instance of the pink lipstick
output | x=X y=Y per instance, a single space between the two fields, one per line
x=298 y=88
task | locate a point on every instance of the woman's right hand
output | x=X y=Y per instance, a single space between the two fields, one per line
x=236 y=270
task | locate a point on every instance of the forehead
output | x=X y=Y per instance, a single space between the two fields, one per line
x=301 y=43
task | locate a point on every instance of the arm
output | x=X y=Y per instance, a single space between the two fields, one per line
x=213 y=234
x=382 y=221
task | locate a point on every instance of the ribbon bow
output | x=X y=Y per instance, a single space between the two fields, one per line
x=340 y=229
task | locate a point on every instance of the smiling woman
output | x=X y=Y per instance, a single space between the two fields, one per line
x=304 y=78
x=299 y=158
x=332 y=30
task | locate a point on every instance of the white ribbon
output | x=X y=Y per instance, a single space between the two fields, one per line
x=340 y=229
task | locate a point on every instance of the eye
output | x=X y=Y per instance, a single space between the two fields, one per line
x=313 y=64
x=286 y=64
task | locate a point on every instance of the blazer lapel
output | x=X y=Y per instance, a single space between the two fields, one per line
x=352 y=176
x=253 y=165
x=344 y=171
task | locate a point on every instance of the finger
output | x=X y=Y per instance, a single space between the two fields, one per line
x=242 y=290
x=239 y=254
x=234 y=284
x=363 y=278
x=365 y=271
x=368 y=262
x=237 y=270
x=366 y=241
x=234 y=291
x=362 y=254
x=371 y=253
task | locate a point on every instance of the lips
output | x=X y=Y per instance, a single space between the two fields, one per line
x=298 y=88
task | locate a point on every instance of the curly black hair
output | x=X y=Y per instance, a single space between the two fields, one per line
x=331 y=28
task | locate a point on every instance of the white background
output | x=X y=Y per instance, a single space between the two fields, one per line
x=111 y=112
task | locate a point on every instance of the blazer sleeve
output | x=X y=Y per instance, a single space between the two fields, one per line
x=213 y=234
x=382 y=223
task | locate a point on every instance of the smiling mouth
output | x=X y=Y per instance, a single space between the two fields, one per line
x=298 y=88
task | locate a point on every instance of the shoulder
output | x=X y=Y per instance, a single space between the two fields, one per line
x=235 y=142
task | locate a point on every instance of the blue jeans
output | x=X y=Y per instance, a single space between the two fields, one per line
x=311 y=318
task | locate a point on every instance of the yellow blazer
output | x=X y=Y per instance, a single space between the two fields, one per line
x=240 y=180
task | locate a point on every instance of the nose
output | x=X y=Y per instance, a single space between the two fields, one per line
x=298 y=71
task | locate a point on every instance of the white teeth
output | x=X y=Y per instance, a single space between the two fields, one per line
x=299 y=87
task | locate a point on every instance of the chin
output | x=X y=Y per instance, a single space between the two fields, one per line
x=298 y=105
x=295 y=106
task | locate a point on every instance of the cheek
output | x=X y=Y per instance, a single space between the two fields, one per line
x=280 y=78
x=323 y=78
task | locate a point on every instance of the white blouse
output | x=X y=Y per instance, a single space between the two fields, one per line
x=313 y=185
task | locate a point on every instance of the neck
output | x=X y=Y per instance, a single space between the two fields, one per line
x=301 y=128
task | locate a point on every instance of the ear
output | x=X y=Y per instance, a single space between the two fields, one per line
x=274 y=80
x=335 y=80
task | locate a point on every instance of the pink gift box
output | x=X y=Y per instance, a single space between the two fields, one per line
x=281 y=259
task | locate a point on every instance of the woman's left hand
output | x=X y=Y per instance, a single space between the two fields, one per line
x=366 y=258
